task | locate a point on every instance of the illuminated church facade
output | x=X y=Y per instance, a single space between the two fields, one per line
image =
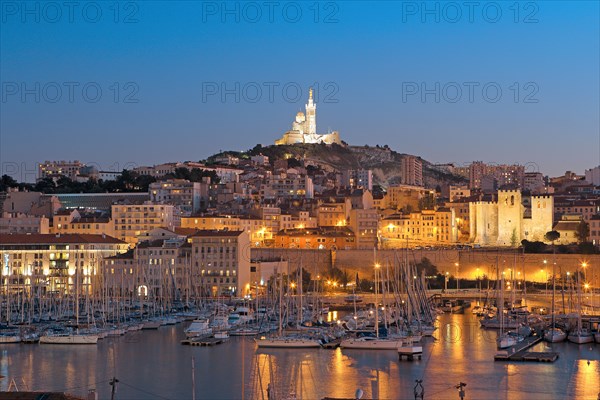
x=304 y=128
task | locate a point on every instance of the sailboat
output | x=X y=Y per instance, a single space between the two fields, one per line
x=580 y=335
x=70 y=336
x=10 y=337
x=554 y=334
x=286 y=341
x=509 y=338
x=370 y=342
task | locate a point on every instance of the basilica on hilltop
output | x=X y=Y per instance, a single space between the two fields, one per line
x=304 y=128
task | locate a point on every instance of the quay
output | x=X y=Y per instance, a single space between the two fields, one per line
x=202 y=341
x=519 y=352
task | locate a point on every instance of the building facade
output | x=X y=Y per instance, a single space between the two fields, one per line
x=178 y=192
x=508 y=221
x=411 y=171
x=55 y=263
x=130 y=221
x=222 y=259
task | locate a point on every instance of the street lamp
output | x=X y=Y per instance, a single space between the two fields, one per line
x=583 y=265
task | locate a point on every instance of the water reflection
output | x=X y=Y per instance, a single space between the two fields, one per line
x=155 y=362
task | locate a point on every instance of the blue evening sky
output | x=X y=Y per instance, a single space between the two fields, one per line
x=162 y=67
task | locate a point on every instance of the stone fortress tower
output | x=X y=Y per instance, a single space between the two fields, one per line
x=510 y=219
x=304 y=128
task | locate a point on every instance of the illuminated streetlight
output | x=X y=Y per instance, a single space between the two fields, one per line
x=583 y=265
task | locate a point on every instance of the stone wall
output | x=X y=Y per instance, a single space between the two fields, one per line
x=361 y=261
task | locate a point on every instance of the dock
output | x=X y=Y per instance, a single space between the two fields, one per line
x=519 y=352
x=202 y=341
x=411 y=352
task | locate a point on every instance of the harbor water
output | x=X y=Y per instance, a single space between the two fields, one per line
x=154 y=365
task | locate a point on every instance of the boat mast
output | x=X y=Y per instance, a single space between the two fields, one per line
x=553 y=290
x=376 y=292
x=280 y=295
x=300 y=316
x=76 y=297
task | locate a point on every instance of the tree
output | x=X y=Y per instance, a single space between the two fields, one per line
x=513 y=238
x=427 y=266
x=7 y=182
x=306 y=278
x=427 y=202
x=583 y=232
x=182 y=173
x=197 y=174
x=552 y=236
x=533 y=247
x=45 y=185
x=142 y=182
x=587 y=248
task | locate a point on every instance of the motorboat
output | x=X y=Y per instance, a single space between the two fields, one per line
x=198 y=328
x=221 y=335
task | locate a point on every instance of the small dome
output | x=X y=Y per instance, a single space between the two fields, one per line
x=300 y=117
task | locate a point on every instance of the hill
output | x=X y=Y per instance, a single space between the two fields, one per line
x=383 y=161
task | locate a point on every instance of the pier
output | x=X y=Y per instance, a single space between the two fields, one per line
x=519 y=352
x=410 y=351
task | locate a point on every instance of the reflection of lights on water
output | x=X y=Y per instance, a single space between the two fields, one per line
x=332 y=316
x=586 y=379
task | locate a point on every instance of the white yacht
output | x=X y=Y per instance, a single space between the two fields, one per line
x=198 y=328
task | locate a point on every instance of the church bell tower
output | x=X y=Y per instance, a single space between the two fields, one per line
x=311 y=114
